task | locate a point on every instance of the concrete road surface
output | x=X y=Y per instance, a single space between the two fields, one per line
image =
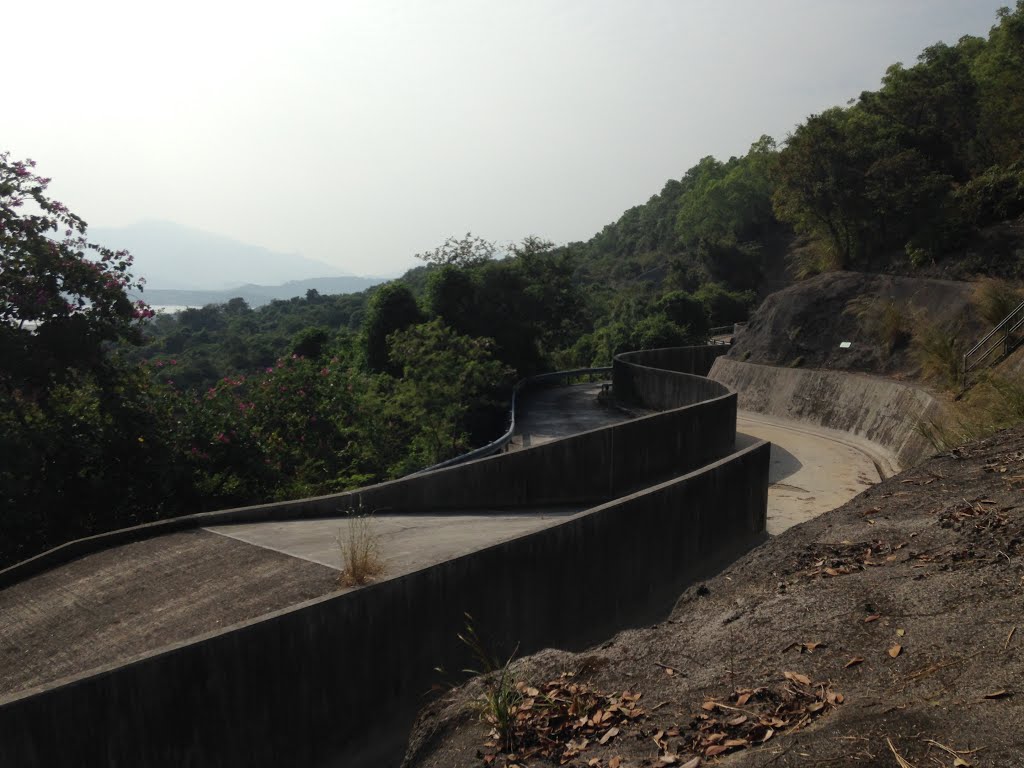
x=551 y=413
x=812 y=469
x=407 y=542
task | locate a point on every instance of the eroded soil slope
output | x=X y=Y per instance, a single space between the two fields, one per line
x=890 y=626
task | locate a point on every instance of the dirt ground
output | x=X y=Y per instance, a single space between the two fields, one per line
x=118 y=603
x=887 y=632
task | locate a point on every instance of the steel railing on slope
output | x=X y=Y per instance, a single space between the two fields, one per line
x=1001 y=340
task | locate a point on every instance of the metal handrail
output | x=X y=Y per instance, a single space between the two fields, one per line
x=1008 y=325
x=496 y=445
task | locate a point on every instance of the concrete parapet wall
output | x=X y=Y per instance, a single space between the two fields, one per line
x=302 y=686
x=588 y=467
x=884 y=412
x=667 y=378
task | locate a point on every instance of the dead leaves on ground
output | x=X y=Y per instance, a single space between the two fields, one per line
x=559 y=720
x=830 y=560
x=752 y=716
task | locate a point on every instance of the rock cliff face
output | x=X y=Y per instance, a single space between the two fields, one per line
x=803 y=325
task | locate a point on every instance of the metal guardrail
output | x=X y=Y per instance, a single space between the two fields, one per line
x=998 y=339
x=496 y=445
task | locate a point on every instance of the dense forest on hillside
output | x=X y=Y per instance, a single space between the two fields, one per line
x=112 y=416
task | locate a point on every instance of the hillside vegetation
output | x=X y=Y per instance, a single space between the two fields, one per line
x=112 y=417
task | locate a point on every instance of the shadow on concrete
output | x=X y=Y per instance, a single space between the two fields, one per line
x=783 y=463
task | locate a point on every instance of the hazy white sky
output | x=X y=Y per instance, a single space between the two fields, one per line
x=360 y=133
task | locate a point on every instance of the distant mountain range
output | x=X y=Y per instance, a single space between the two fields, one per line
x=258 y=295
x=172 y=256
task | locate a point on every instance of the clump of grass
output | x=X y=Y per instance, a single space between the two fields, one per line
x=501 y=698
x=813 y=259
x=993 y=403
x=360 y=551
x=884 y=321
x=938 y=351
x=995 y=299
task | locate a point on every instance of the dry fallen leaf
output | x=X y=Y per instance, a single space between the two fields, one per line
x=902 y=761
x=900 y=632
x=611 y=733
x=796 y=677
x=872 y=617
x=853 y=662
x=1002 y=693
x=896 y=650
x=695 y=763
x=615 y=762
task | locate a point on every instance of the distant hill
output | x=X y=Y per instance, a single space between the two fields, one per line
x=172 y=256
x=258 y=295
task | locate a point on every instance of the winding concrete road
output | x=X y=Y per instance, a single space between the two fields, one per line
x=812 y=470
x=112 y=605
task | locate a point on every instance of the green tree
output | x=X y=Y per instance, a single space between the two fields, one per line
x=75 y=421
x=999 y=70
x=467 y=251
x=392 y=308
x=445 y=378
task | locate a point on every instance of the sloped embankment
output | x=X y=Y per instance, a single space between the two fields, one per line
x=883 y=411
x=889 y=625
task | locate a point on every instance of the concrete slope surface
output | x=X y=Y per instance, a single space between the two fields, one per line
x=110 y=606
x=813 y=469
x=405 y=542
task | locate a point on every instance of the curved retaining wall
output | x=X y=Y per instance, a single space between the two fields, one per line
x=640 y=377
x=311 y=685
x=885 y=412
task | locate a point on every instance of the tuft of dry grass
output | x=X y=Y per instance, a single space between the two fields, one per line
x=994 y=403
x=885 y=321
x=939 y=351
x=812 y=259
x=995 y=299
x=360 y=551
